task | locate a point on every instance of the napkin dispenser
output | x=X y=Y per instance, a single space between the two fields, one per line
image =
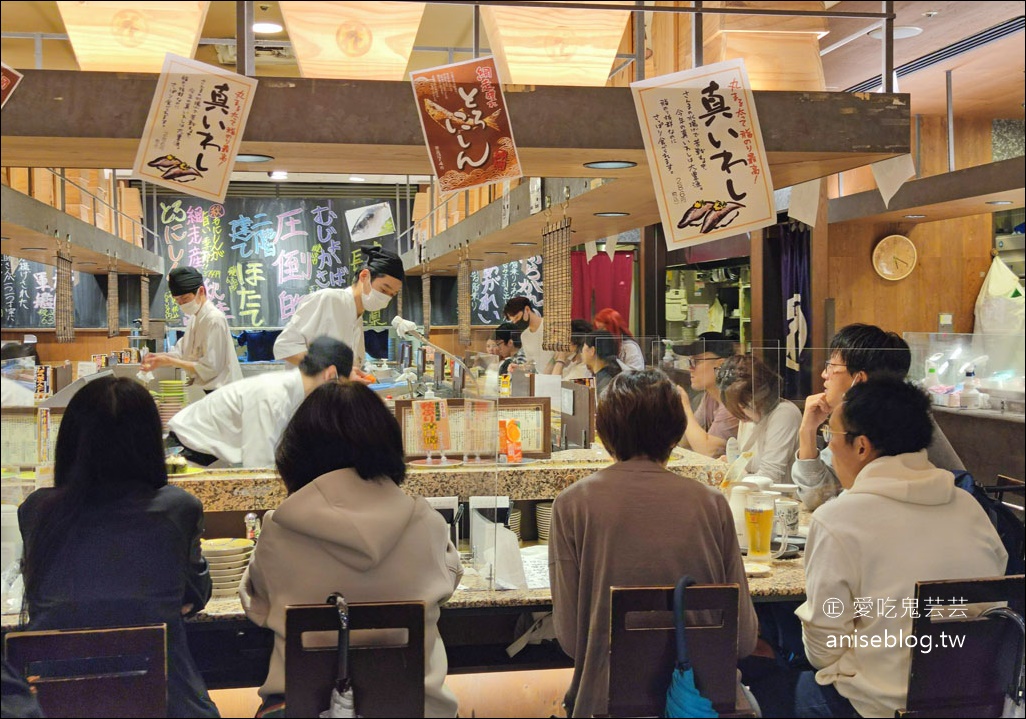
x=451 y=511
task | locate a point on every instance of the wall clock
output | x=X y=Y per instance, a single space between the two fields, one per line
x=894 y=257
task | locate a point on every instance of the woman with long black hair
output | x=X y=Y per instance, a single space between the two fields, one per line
x=111 y=543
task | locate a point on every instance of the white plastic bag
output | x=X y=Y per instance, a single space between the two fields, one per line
x=1001 y=304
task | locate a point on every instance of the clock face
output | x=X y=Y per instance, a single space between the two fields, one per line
x=894 y=257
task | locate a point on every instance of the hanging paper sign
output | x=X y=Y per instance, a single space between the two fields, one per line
x=194 y=128
x=8 y=82
x=705 y=153
x=465 y=123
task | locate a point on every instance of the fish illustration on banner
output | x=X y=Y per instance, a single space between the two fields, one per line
x=366 y=223
x=705 y=153
x=466 y=124
x=194 y=128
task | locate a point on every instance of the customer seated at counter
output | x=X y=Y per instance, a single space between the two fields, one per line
x=599 y=353
x=508 y=347
x=635 y=523
x=712 y=424
x=111 y=543
x=241 y=423
x=570 y=365
x=768 y=424
x=857 y=352
x=900 y=520
x=347 y=526
x=629 y=352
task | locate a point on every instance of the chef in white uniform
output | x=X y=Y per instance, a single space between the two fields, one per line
x=241 y=423
x=338 y=313
x=207 y=350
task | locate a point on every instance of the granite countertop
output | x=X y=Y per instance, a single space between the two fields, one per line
x=786 y=581
x=258 y=489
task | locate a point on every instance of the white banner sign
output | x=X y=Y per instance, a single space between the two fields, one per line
x=194 y=128
x=705 y=153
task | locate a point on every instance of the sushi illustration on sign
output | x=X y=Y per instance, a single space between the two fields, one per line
x=704 y=148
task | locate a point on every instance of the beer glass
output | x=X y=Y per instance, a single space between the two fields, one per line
x=760 y=516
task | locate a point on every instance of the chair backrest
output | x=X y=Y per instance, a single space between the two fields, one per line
x=388 y=679
x=642 y=649
x=971 y=662
x=115 y=672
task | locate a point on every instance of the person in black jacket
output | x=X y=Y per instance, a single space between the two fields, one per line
x=111 y=543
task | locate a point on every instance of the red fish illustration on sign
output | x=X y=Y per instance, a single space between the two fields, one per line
x=440 y=115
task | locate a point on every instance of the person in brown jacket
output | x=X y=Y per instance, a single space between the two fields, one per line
x=635 y=523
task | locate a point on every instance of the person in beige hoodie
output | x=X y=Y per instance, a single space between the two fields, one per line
x=347 y=526
x=900 y=520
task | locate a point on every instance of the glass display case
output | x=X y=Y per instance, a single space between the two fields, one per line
x=996 y=362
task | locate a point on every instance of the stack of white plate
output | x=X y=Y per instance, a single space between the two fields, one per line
x=543 y=516
x=514 y=522
x=170 y=399
x=228 y=559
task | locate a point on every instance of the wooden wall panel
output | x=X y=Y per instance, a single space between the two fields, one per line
x=87 y=342
x=954 y=256
x=973 y=147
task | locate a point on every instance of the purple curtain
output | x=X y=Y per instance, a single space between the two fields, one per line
x=794 y=272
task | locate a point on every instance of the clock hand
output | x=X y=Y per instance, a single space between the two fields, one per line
x=896 y=261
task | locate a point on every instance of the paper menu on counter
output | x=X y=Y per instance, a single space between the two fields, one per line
x=431 y=418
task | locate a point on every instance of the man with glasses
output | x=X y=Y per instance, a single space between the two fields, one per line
x=900 y=520
x=857 y=352
x=711 y=425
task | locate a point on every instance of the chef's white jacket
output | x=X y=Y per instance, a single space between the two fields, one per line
x=331 y=313
x=209 y=344
x=242 y=423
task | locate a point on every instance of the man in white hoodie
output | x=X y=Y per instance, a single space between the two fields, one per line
x=901 y=520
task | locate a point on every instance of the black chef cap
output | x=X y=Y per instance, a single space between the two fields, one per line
x=382 y=262
x=717 y=343
x=183 y=280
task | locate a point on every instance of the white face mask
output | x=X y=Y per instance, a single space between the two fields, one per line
x=190 y=308
x=376 y=300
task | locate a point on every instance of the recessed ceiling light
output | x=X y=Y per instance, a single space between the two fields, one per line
x=523 y=244
x=357 y=178
x=33 y=249
x=914 y=217
x=279 y=175
x=252 y=157
x=611 y=214
x=83 y=264
x=266 y=28
x=901 y=32
x=474 y=259
x=494 y=252
x=610 y=164
x=999 y=202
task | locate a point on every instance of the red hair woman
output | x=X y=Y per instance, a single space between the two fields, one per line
x=630 y=354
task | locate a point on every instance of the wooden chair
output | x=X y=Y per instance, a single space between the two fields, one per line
x=116 y=672
x=388 y=680
x=970 y=680
x=642 y=649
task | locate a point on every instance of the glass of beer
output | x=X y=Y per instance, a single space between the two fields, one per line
x=760 y=516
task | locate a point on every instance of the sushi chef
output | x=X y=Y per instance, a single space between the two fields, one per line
x=241 y=424
x=338 y=313
x=207 y=350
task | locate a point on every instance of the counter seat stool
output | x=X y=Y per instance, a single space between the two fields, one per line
x=642 y=649
x=386 y=665
x=109 y=672
x=973 y=679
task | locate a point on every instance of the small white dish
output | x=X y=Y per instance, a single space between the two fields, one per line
x=227 y=546
x=754 y=569
x=228 y=563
